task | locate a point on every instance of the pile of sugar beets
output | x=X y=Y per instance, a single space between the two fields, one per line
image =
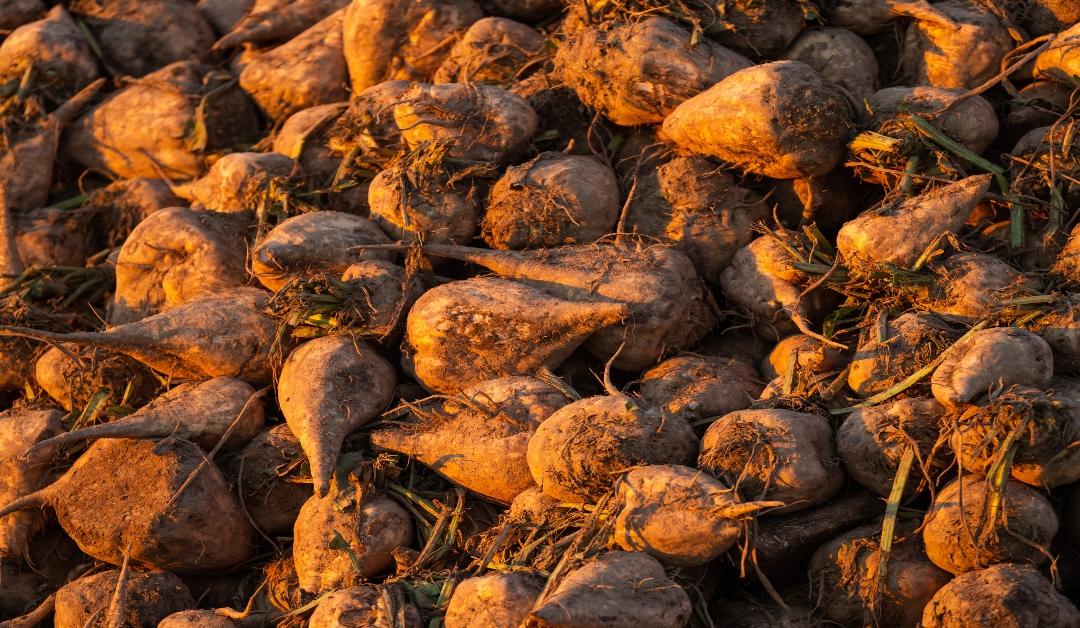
x=542 y=313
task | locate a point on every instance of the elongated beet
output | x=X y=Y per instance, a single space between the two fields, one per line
x=466 y=332
x=329 y=387
x=199 y=412
x=478 y=438
x=667 y=302
x=212 y=337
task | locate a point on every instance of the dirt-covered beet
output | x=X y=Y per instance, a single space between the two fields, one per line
x=176 y=255
x=762 y=282
x=973 y=286
x=494 y=50
x=965 y=532
x=698 y=208
x=208 y=337
x=778 y=455
x=956 y=56
x=492 y=601
x=149 y=597
x=54 y=47
x=577 y=452
x=1000 y=358
x=268 y=478
x=638 y=73
x=366 y=605
x=552 y=200
x=22 y=474
x=432 y=209
x=784 y=121
x=222 y=410
x=476 y=122
x=160 y=523
x=240 y=182
x=370 y=525
x=698 y=387
x=1060 y=62
x=871 y=442
x=327 y=388
x=1005 y=595
x=839 y=56
x=845 y=573
x=73 y=376
x=402 y=39
x=894 y=348
x=311 y=243
x=899 y=232
x=679 y=515
x=306 y=72
x=616 y=589
x=1043 y=425
x=149 y=128
x=466 y=332
x=667 y=305
x=479 y=437
x=141 y=36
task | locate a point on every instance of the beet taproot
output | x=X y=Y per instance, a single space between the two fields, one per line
x=122 y=498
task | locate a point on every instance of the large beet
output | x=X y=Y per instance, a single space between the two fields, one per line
x=123 y=497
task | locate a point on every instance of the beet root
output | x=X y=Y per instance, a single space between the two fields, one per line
x=176 y=255
x=964 y=533
x=328 y=388
x=402 y=39
x=366 y=605
x=370 y=525
x=493 y=601
x=470 y=331
x=992 y=359
x=267 y=478
x=871 y=442
x=776 y=132
x=638 y=73
x=553 y=200
x=576 y=454
x=778 y=455
x=149 y=597
x=311 y=243
x=145 y=129
x=959 y=55
x=140 y=36
x=74 y=375
x=616 y=590
x=210 y=337
x=21 y=474
x=476 y=122
x=698 y=387
x=1006 y=595
x=667 y=303
x=54 y=46
x=697 y=208
x=306 y=71
x=840 y=56
x=203 y=413
x=898 y=235
x=894 y=348
x=240 y=182
x=493 y=50
x=845 y=573
x=160 y=527
x=679 y=515
x=197 y=619
x=479 y=437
